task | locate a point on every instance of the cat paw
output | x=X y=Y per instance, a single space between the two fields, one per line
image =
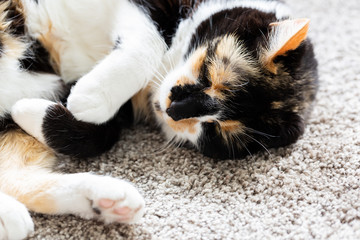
x=15 y=220
x=89 y=104
x=113 y=200
x=29 y=115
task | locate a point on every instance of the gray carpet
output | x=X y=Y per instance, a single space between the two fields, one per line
x=310 y=190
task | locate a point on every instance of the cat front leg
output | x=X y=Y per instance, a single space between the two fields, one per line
x=15 y=220
x=138 y=51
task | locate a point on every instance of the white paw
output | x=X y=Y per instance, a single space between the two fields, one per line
x=29 y=115
x=90 y=104
x=110 y=199
x=15 y=220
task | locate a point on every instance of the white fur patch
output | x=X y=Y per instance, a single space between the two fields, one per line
x=29 y=115
x=16 y=84
x=15 y=220
x=108 y=78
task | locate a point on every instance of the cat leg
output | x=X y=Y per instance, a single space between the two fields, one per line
x=54 y=125
x=96 y=102
x=25 y=175
x=138 y=51
x=15 y=220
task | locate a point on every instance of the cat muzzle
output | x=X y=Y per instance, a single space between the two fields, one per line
x=195 y=105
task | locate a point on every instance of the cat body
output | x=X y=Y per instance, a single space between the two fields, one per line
x=228 y=77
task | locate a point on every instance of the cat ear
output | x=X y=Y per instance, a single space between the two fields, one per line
x=284 y=36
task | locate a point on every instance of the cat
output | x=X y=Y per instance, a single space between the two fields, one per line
x=228 y=77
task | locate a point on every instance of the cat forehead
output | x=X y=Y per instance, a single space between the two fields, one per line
x=223 y=61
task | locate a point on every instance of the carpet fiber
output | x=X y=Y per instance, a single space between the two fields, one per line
x=310 y=190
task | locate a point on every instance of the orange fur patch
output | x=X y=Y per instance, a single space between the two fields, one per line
x=140 y=103
x=25 y=150
x=197 y=60
x=291 y=44
x=39 y=201
x=230 y=130
x=219 y=74
x=222 y=73
x=185 y=125
x=184 y=80
x=51 y=44
x=22 y=160
x=297 y=39
x=231 y=126
x=13 y=48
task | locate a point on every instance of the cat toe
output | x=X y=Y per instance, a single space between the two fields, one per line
x=124 y=213
x=106 y=203
x=127 y=210
x=114 y=200
x=92 y=107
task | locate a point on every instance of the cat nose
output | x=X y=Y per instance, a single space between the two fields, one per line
x=195 y=105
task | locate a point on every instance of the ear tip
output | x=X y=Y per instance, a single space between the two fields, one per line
x=304 y=21
x=300 y=21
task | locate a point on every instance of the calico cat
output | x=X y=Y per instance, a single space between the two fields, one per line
x=229 y=77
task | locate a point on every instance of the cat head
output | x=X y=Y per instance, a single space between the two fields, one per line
x=240 y=89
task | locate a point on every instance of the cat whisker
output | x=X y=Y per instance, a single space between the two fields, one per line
x=232 y=148
x=241 y=85
x=180 y=143
x=242 y=144
x=159 y=75
x=155 y=80
x=261 y=133
x=158 y=78
x=262 y=145
x=172 y=65
x=166 y=69
x=166 y=146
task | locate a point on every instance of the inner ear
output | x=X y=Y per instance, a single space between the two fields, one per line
x=284 y=36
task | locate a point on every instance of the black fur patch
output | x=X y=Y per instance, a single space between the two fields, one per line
x=248 y=25
x=118 y=43
x=168 y=13
x=66 y=135
x=6 y=123
x=36 y=59
x=1 y=47
x=15 y=16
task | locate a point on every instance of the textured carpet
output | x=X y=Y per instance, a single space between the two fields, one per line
x=310 y=190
